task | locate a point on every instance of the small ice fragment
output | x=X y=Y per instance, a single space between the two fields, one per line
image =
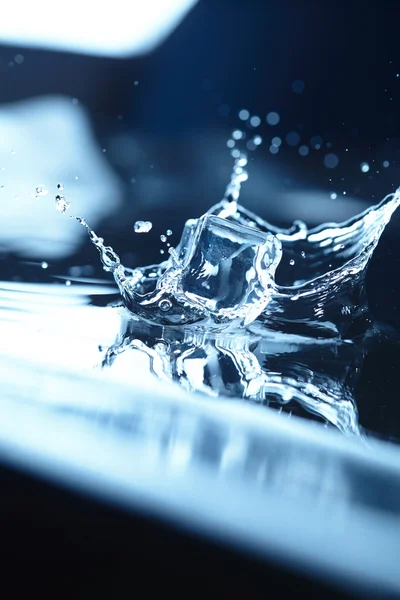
x=142 y=226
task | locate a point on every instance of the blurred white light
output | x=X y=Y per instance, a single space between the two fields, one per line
x=51 y=140
x=120 y=28
x=273 y=118
x=364 y=167
x=331 y=161
x=255 y=121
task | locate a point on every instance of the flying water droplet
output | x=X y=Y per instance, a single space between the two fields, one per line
x=41 y=191
x=61 y=204
x=142 y=226
x=163 y=238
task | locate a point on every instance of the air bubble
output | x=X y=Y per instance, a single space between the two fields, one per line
x=165 y=305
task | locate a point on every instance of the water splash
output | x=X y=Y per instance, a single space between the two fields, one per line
x=246 y=309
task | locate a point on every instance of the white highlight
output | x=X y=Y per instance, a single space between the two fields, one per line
x=120 y=28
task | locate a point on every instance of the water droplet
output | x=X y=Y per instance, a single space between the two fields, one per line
x=68 y=282
x=19 y=59
x=273 y=118
x=142 y=226
x=274 y=149
x=333 y=195
x=165 y=305
x=244 y=115
x=303 y=254
x=292 y=262
x=364 y=167
x=75 y=101
x=169 y=232
x=257 y=140
x=41 y=191
x=163 y=238
x=44 y=265
x=60 y=186
x=161 y=251
x=386 y=163
x=230 y=143
x=61 y=204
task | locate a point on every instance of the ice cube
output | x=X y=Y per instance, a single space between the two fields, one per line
x=229 y=268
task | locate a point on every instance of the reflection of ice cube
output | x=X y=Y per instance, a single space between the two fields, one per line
x=229 y=269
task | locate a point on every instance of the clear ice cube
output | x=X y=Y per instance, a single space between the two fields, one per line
x=228 y=269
